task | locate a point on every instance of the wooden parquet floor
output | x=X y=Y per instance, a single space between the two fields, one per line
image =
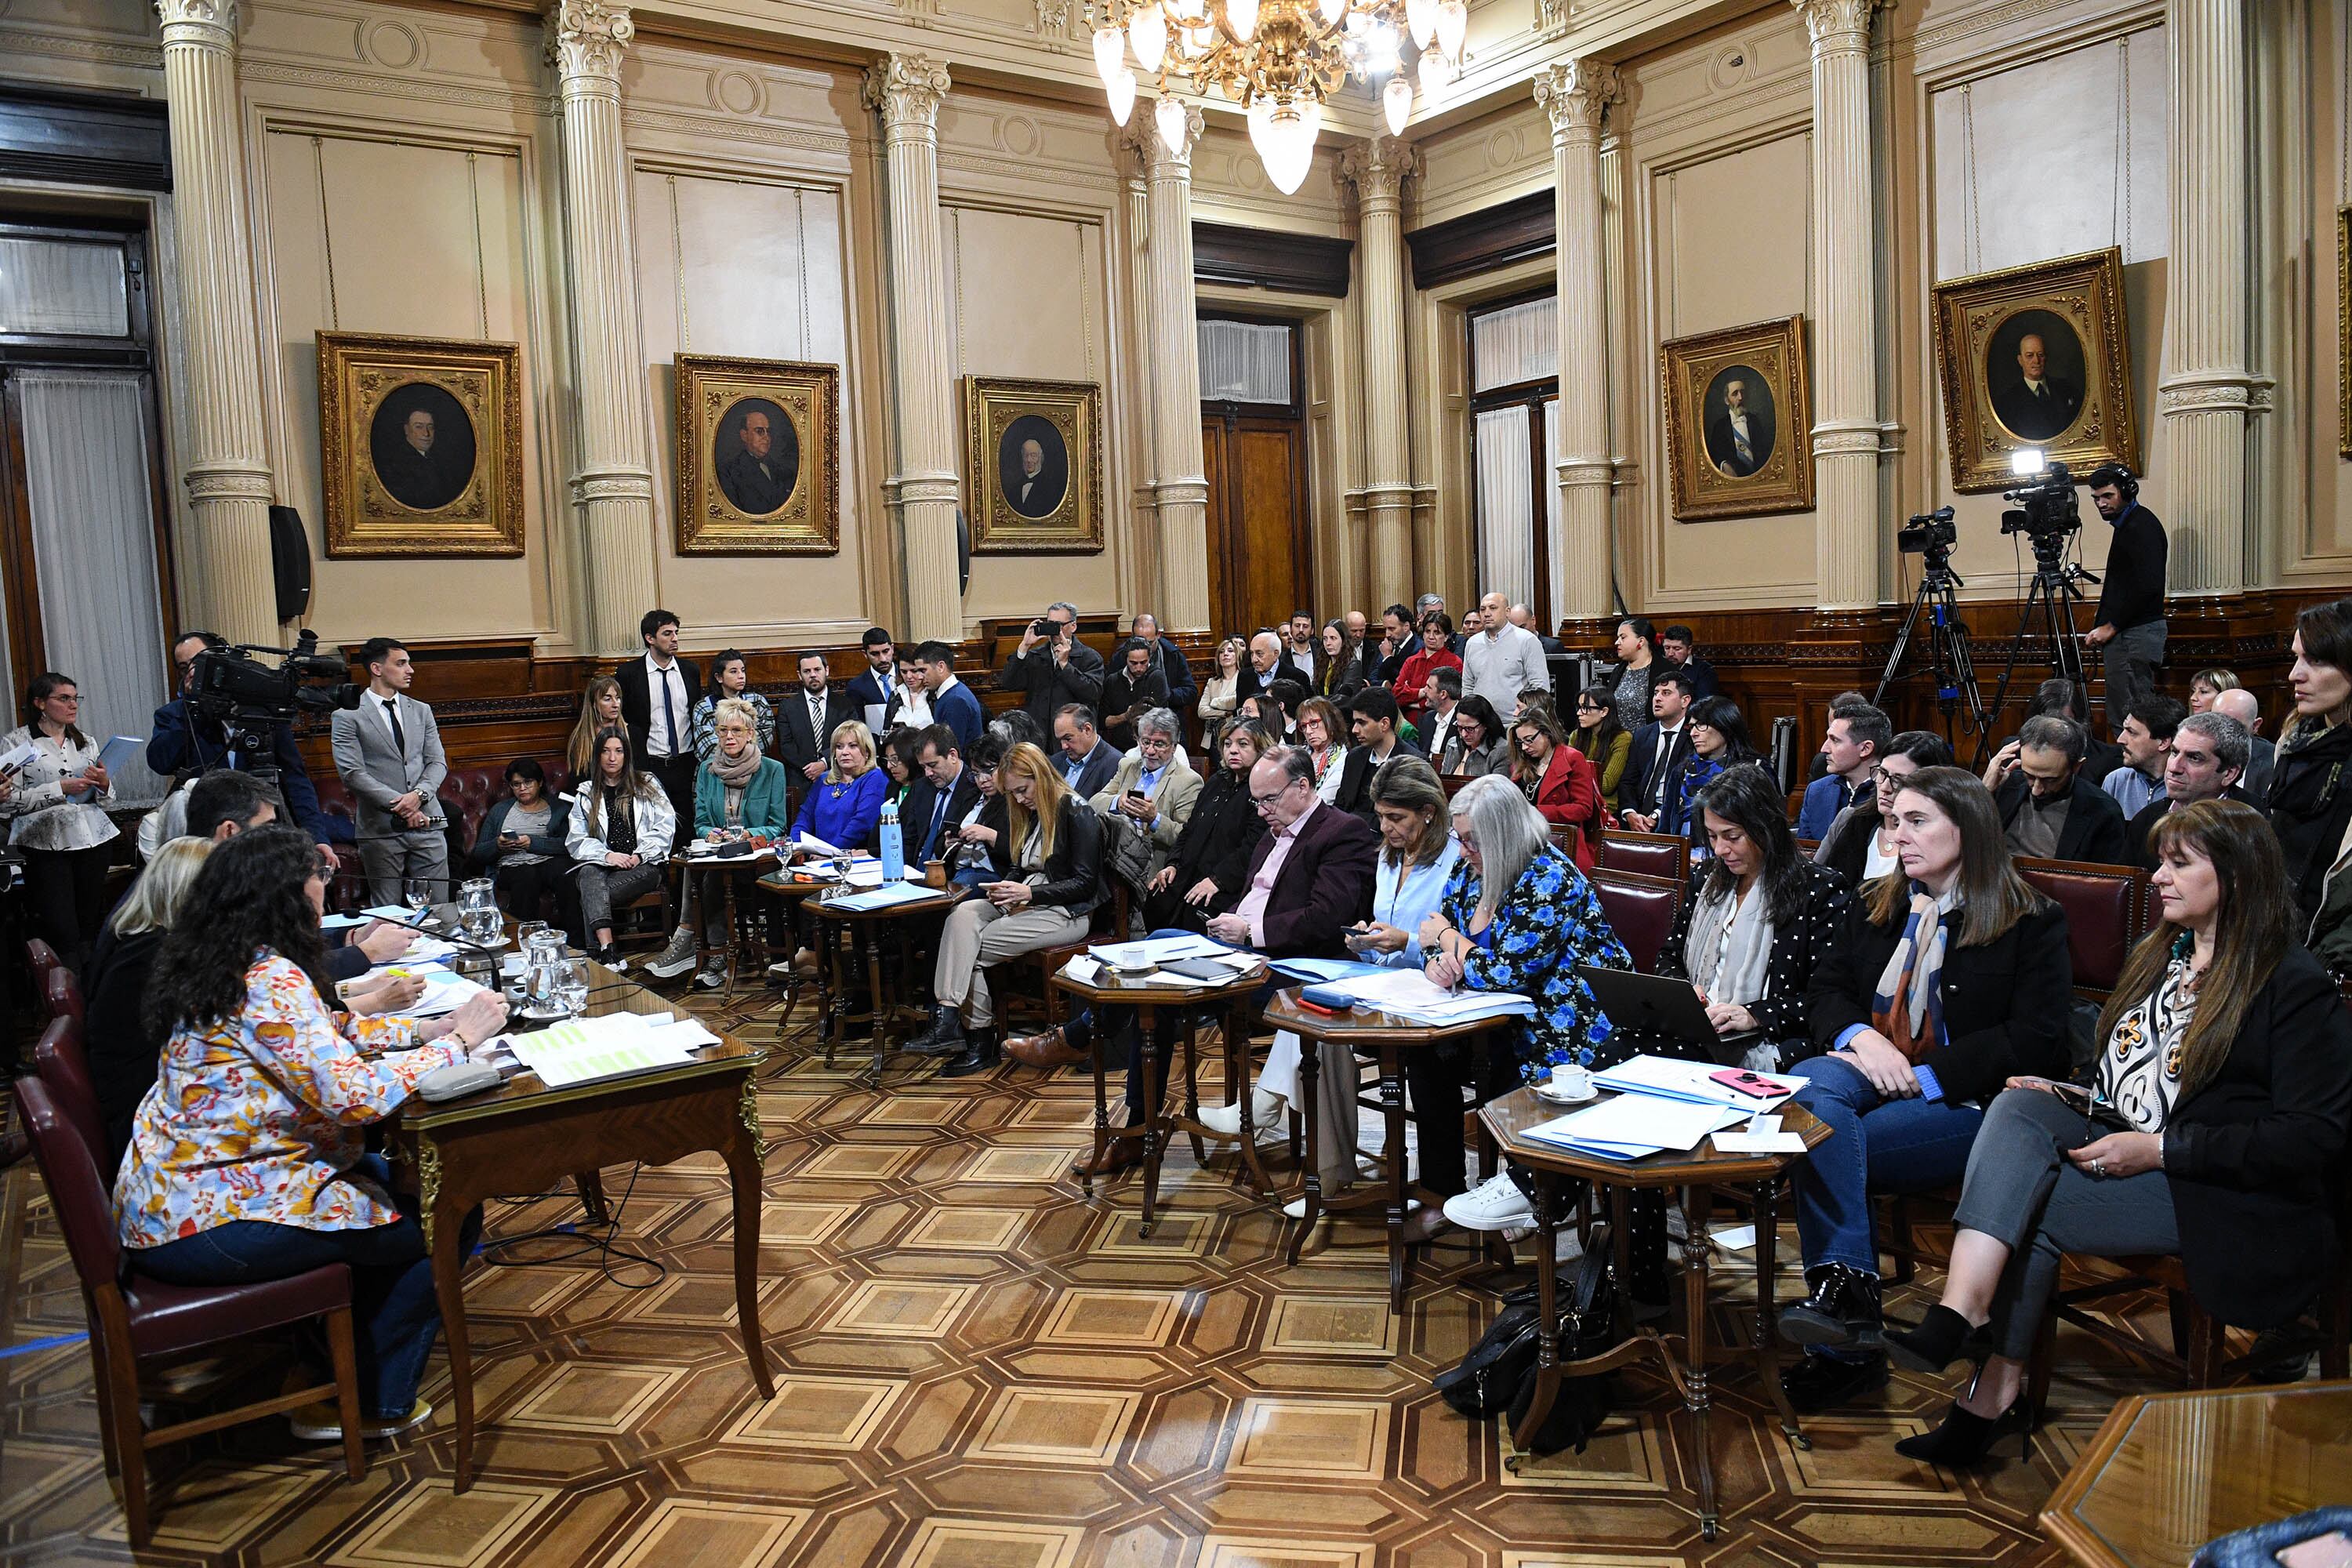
x=978 y=1368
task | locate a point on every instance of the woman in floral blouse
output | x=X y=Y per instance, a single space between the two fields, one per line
x=246 y=1160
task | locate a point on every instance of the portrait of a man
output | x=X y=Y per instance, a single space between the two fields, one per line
x=756 y=457
x=1739 y=422
x=1033 y=466
x=2033 y=369
x=421 y=445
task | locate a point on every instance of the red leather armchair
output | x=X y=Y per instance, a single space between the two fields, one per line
x=1640 y=911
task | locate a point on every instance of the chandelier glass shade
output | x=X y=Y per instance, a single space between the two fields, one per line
x=1280 y=60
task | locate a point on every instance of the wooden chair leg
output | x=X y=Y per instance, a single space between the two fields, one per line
x=2208 y=1344
x=121 y=1391
x=2037 y=1371
x=342 y=1350
x=2184 y=1326
x=109 y=1442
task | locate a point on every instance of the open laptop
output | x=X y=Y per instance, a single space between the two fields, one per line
x=1671 y=1008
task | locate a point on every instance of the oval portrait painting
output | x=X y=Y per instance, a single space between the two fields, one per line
x=2034 y=373
x=1033 y=464
x=756 y=456
x=422 y=444
x=1739 y=417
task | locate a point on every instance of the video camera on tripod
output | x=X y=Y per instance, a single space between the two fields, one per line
x=2048 y=512
x=248 y=699
x=1935 y=611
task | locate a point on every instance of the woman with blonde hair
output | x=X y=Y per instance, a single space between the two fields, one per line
x=122 y=1046
x=738 y=791
x=1221 y=694
x=844 y=806
x=600 y=709
x=1052 y=844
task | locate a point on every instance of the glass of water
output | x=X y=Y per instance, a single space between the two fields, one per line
x=573 y=984
x=416 y=893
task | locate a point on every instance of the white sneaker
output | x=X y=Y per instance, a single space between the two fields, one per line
x=712 y=976
x=1494 y=1205
x=1266 y=1116
x=677 y=958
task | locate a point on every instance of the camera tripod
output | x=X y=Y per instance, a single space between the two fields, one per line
x=1948 y=647
x=2048 y=611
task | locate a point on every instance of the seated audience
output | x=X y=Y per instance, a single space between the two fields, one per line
x=2247 y=709
x=1476 y=744
x=1221 y=696
x=1082 y=757
x=1678 y=646
x=1660 y=752
x=1606 y=743
x=619 y=834
x=1208 y=866
x=1951 y=966
x=2147 y=736
x=1719 y=737
x=736 y=791
x=1338 y=664
x=1858 y=736
x=898 y=766
x=247 y=1159
x=1556 y=778
x=2208 y=684
x=1372 y=721
x=2049 y=809
x=845 y=807
x=55 y=820
x=600 y=709
x=521 y=842
x=2058 y=698
x=1052 y=846
x=2204 y=762
x=1516 y=915
x=1860 y=843
x=2308 y=807
x=1323 y=736
x=1435 y=653
x=730 y=677
x=1152 y=792
x=123 y=1045
x=975 y=857
x=946 y=795
x=2212 y=1128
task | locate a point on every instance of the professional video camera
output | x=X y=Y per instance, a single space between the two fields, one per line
x=248 y=699
x=1931 y=533
x=2047 y=508
x=2049 y=513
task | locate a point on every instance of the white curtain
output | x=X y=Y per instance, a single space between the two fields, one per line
x=1518 y=343
x=94 y=549
x=1506 y=552
x=57 y=286
x=1244 y=362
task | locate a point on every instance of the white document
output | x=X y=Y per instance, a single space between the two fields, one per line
x=1083 y=970
x=120 y=753
x=398 y=915
x=687 y=1034
x=340 y=923
x=15 y=757
x=880 y=896
x=1636 y=1124
x=1668 y=1078
x=445 y=990
x=1157 y=949
x=1736 y=1238
x=580 y=1050
x=811 y=841
x=1745 y=1142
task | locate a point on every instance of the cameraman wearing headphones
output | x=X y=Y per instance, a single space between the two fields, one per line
x=2130 y=621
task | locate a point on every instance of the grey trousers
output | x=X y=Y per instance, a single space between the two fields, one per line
x=418 y=854
x=604 y=887
x=978 y=934
x=2131 y=661
x=2023 y=1191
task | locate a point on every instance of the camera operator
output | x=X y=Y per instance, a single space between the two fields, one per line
x=1053 y=666
x=187 y=742
x=2130 y=622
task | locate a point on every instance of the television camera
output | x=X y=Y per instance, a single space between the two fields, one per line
x=248 y=699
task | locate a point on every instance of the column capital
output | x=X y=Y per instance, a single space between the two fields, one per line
x=906 y=90
x=202 y=24
x=1839 y=26
x=1379 y=168
x=1576 y=93
x=1141 y=136
x=585 y=37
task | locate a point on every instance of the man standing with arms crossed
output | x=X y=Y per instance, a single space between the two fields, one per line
x=1502 y=660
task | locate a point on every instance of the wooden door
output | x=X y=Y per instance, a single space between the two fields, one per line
x=1258 y=565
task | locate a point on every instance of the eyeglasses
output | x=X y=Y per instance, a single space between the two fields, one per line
x=1270 y=799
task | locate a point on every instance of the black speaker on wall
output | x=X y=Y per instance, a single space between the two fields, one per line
x=289 y=562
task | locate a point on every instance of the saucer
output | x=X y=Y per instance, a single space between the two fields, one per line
x=1543 y=1091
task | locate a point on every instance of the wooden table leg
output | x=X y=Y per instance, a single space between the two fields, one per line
x=1768 y=1316
x=743 y=1151
x=1540 y=1198
x=445 y=1218
x=1311 y=1186
x=1237 y=1041
x=1154 y=1114
x=1192 y=1088
x=836 y=942
x=1392 y=1156
x=591 y=1196
x=1096 y=1038
x=877 y=1034
x=1695 y=1398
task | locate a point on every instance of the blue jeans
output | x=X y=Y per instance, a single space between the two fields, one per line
x=1874 y=1146
x=392 y=1282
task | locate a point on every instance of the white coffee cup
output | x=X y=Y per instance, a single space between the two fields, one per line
x=511 y=964
x=1570 y=1081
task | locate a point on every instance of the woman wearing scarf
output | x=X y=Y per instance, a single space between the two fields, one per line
x=1949 y=978
x=737 y=788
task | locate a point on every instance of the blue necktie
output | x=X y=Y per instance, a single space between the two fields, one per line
x=939 y=814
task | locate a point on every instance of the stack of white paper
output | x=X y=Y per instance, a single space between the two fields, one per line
x=1409 y=993
x=1320 y=971
x=1666 y=1077
x=1156 y=950
x=1629 y=1126
x=879 y=897
x=579 y=1050
x=445 y=990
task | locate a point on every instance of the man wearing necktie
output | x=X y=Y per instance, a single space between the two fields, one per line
x=388 y=754
x=945 y=794
x=1739 y=439
x=2040 y=405
x=659 y=693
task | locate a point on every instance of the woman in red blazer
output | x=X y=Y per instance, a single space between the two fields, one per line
x=1556 y=776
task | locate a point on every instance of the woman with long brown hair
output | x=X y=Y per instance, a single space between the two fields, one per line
x=600 y=709
x=2311 y=796
x=1557 y=779
x=1948 y=976
x=2210 y=1128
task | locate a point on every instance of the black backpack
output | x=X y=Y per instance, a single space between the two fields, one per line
x=1499 y=1377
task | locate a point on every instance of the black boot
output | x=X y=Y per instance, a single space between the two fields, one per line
x=1942 y=1337
x=1842 y=1309
x=943 y=1038
x=1964 y=1439
x=981 y=1053
x=1818 y=1383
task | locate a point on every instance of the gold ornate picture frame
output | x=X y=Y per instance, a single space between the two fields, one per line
x=420 y=445
x=2344 y=332
x=2036 y=356
x=759 y=457
x=1034 y=463
x=1739 y=411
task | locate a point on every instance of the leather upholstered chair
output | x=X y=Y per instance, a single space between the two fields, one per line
x=1640 y=911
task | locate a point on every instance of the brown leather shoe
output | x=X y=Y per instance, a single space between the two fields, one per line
x=1050 y=1049
x=1120 y=1154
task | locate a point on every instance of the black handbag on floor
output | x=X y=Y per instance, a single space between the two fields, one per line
x=1499 y=1377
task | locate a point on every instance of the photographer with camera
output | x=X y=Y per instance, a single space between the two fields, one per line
x=191 y=737
x=1053 y=666
x=2129 y=624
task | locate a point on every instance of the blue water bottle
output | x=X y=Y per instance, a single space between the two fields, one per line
x=894 y=844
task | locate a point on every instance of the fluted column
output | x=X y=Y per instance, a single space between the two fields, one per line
x=1378 y=169
x=1173 y=334
x=906 y=90
x=611 y=484
x=1845 y=325
x=2203 y=404
x=225 y=579
x=1577 y=95
x=1135 y=185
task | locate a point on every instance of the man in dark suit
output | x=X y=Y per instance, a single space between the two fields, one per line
x=805 y=719
x=1310 y=878
x=658 y=696
x=2049 y=808
x=2205 y=762
x=1264 y=665
x=1035 y=481
x=942 y=798
x=1087 y=761
x=2036 y=407
x=1681 y=647
x=1168 y=662
x=1052 y=668
x=759 y=478
x=953 y=703
x=1397 y=635
x=871 y=689
x=1659 y=751
x=1740 y=439
x=1372 y=721
x=411 y=471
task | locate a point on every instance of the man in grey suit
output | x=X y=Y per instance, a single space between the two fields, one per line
x=388 y=754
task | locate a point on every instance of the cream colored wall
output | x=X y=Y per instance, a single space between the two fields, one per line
x=2304 y=77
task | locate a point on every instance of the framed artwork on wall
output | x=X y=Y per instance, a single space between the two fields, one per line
x=2036 y=356
x=759 y=457
x=420 y=442
x=1739 y=411
x=1033 y=456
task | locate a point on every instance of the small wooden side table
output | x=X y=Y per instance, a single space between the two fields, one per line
x=1685 y=1357
x=887 y=1020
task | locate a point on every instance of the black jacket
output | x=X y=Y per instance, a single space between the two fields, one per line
x=1218 y=838
x=1845 y=848
x=1356 y=773
x=922 y=801
x=1633 y=794
x=1047 y=686
x=2006 y=1003
x=2144 y=821
x=124 y=1049
x=2255 y=1158
x=1799 y=947
x=1129 y=699
x=637 y=705
x=1074 y=878
x=2094 y=821
x=2310 y=799
x=797 y=743
x=2132 y=591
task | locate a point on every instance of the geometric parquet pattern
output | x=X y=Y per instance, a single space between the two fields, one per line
x=977 y=1367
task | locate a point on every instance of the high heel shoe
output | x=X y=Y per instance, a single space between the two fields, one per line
x=1964 y=1438
x=1942 y=1337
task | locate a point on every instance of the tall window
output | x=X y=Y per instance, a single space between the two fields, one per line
x=1515 y=449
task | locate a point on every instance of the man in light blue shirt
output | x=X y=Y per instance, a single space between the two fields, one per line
x=2146 y=740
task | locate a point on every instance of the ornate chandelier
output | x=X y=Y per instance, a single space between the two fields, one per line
x=1280 y=60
